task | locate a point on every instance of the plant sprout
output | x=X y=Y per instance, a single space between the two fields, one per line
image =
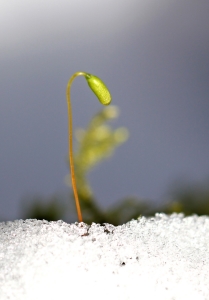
x=103 y=94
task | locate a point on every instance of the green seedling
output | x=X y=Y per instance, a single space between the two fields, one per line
x=101 y=91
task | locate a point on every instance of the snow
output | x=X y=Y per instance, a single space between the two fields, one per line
x=164 y=257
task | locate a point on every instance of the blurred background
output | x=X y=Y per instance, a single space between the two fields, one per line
x=154 y=58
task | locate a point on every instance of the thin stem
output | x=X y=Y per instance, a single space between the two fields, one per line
x=70 y=133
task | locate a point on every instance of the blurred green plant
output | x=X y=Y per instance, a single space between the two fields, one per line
x=189 y=198
x=95 y=144
x=192 y=198
x=38 y=207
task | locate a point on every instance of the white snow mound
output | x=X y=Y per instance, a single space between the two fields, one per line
x=164 y=257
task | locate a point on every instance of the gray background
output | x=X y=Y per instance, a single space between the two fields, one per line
x=153 y=56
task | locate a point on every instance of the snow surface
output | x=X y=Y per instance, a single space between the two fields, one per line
x=164 y=257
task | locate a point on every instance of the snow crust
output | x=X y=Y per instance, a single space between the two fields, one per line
x=164 y=257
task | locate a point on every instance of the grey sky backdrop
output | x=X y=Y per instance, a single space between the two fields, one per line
x=153 y=56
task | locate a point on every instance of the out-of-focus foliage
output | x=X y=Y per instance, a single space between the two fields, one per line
x=95 y=144
x=189 y=199
x=184 y=198
x=37 y=207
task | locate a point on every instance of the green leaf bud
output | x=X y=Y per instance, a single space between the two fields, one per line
x=99 y=88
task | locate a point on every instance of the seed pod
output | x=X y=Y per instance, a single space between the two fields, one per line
x=99 y=88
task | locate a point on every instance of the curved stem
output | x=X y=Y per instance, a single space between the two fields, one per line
x=70 y=132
